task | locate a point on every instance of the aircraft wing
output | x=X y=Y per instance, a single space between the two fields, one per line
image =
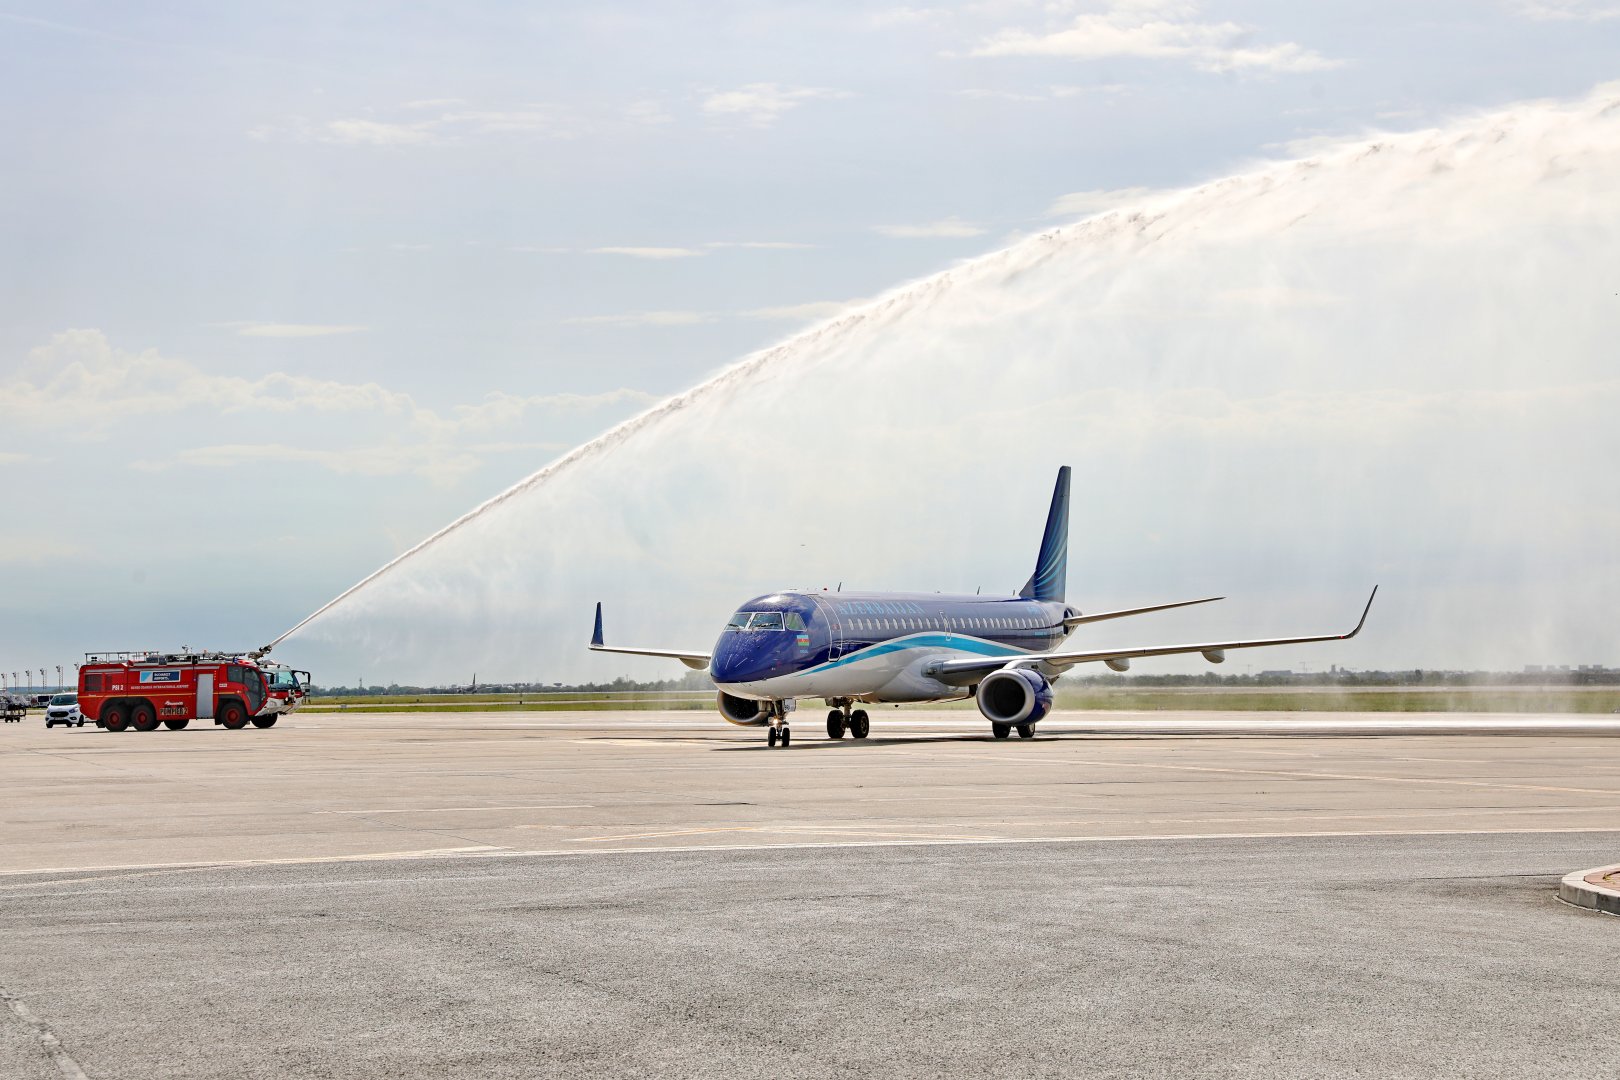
x=695 y=660
x=1214 y=651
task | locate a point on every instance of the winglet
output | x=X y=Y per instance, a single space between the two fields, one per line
x=596 y=634
x=1048 y=582
x=1364 y=611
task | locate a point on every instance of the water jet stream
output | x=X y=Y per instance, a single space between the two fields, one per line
x=1391 y=360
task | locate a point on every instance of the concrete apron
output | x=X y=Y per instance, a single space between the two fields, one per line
x=1597 y=889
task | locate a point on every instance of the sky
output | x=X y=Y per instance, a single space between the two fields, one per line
x=289 y=287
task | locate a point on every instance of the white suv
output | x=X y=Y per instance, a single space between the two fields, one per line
x=63 y=709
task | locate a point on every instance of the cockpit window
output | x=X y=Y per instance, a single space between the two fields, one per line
x=765 y=620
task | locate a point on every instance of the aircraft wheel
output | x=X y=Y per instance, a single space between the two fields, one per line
x=1026 y=731
x=1000 y=731
x=835 y=725
x=860 y=723
x=786 y=736
x=770 y=737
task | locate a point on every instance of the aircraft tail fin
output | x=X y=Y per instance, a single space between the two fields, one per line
x=1050 y=579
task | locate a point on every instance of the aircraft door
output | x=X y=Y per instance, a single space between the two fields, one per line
x=835 y=628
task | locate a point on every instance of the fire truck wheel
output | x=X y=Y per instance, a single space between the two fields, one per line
x=142 y=717
x=232 y=715
x=113 y=717
x=265 y=721
x=176 y=724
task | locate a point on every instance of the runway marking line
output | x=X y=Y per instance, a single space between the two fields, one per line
x=655 y=835
x=1306 y=775
x=459 y=809
x=452 y=854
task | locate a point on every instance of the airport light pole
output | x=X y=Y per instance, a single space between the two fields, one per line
x=60 y=685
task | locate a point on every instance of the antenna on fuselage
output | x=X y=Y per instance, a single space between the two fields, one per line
x=840 y=587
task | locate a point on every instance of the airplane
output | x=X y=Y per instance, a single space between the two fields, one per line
x=851 y=648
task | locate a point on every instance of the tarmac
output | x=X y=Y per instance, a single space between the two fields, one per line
x=563 y=894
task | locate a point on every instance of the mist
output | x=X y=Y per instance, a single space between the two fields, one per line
x=1391 y=362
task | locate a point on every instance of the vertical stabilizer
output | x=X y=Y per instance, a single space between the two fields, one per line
x=1051 y=570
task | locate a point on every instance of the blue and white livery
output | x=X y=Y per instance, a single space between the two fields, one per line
x=852 y=648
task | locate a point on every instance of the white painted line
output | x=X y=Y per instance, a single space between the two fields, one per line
x=460 y=809
x=490 y=852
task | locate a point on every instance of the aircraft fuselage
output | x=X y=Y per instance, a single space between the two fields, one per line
x=873 y=647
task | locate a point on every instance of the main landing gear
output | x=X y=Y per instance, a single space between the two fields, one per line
x=1001 y=731
x=841 y=719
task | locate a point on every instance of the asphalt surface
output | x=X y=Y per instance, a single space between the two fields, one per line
x=1334 y=956
x=651 y=894
x=346 y=787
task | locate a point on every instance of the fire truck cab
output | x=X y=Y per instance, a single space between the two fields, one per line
x=141 y=690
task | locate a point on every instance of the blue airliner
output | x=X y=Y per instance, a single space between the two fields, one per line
x=850 y=648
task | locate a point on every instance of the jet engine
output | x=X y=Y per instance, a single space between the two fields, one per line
x=1014 y=696
x=745 y=712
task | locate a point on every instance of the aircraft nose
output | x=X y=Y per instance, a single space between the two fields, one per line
x=741 y=657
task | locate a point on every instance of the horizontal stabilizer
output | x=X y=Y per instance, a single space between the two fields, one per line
x=1076 y=620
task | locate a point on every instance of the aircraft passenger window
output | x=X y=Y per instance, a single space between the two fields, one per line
x=766 y=620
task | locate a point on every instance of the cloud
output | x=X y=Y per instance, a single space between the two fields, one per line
x=106 y=389
x=906 y=16
x=11 y=457
x=764 y=245
x=814 y=309
x=951 y=227
x=430 y=461
x=1566 y=10
x=1086 y=203
x=1156 y=29
x=648 y=112
x=377 y=133
x=294 y=330
x=762 y=104
x=450 y=126
x=33 y=548
x=1070 y=91
x=647 y=252
x=645 y=318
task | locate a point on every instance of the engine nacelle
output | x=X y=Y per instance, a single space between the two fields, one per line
x=745 y=712
x=1014 y=696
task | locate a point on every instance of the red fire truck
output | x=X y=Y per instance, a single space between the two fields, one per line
x=141 y=690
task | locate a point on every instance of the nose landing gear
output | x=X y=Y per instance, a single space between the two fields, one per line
x=779 y=734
